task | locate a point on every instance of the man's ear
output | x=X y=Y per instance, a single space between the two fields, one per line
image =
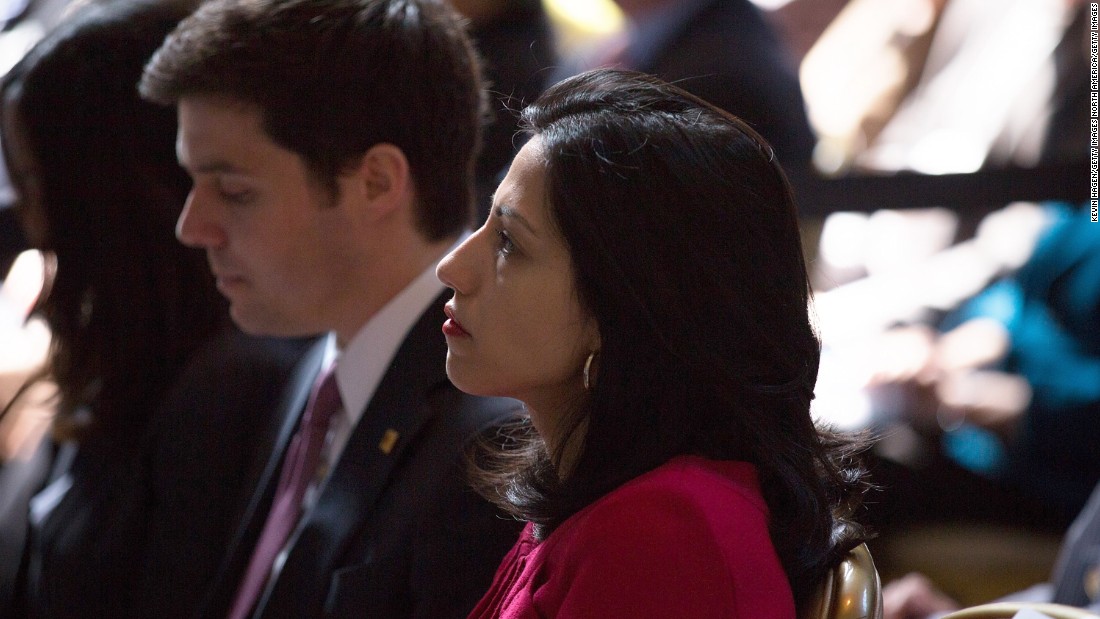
x=385 y=178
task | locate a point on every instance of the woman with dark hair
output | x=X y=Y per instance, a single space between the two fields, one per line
x=99 y=190
x=158 y=399
x=640 y=286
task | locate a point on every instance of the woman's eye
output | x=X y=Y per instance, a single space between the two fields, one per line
x=505 y=247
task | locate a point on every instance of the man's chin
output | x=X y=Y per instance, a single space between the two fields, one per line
x=252 y=324
x=266 y=326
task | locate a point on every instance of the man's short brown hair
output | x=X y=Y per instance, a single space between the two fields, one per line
x=332 y=78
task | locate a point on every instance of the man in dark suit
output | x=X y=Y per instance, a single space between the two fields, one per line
x=331 y=145
x=723 y=51
x=516 y=42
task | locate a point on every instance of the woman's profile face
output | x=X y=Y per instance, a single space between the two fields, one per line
x=24 y=175
x=516 y=327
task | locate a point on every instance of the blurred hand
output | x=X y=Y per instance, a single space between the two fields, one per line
x=976 y=343
x=941 y=380
x=914 y=597
x=902 y=374
x=989 y=399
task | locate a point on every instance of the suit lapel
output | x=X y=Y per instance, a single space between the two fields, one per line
x=284 y=424
x=400 y=405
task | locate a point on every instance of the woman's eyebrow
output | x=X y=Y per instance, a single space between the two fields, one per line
x=504 y=210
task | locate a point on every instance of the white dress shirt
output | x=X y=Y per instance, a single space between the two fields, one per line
x=362 y=364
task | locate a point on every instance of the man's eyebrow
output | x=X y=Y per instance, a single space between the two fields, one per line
x=212 y=166
x=217 y=167
x=503 y=210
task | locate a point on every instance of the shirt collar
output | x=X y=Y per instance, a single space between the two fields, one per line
x=363 y=363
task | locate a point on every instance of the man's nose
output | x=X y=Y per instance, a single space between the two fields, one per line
x=197 y=225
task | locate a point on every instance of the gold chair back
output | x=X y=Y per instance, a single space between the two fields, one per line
x=851 y=590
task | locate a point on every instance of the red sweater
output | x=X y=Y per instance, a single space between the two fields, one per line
x=688 y=539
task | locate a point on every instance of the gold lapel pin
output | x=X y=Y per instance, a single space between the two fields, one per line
x=389 y=439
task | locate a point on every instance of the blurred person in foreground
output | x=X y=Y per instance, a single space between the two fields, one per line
x=639 y=285
x=1075 y=580
x=331 y=146
x=160 y=403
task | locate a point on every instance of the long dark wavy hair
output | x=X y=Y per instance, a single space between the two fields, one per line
x=685 y=247
x=127 y=303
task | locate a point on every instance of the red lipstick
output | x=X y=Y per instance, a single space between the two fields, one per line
x=452 y=328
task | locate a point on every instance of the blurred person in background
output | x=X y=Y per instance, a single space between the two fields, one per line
x=723 y=51
x=946 y=86
x=159 y=401
x=1010 y=379
x=516 y=43
x=1007 y=387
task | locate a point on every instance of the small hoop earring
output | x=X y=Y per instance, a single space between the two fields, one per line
x=588 y=373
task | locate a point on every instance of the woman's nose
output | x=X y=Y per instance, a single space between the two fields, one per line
x=454 y=269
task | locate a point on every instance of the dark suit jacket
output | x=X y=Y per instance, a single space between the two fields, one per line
x=395 y=534
x=517 y=47
x=144 y=526
x=728 y=55
x=1080 y=556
